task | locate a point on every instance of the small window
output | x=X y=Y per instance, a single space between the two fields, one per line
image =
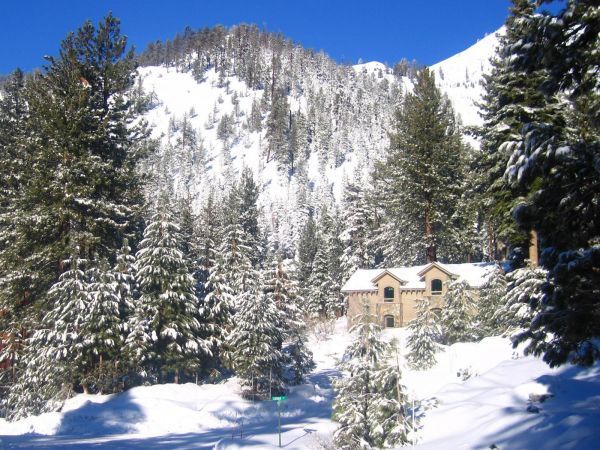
x=388 y=294
x=436 y=287
x=437 y=312
x=389 y=321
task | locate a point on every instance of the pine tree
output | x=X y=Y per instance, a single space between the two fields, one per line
x=323 y=298
x=165 y=331
x=78 y=342
x=248 y=214
x=281 y=289
x=370 y=405
x=13 y=160
x=425 y=333
x=511 y=99
x=458 y=313
x=278 y=129
x=255 y=341
x=421 y=179
x=357 y=217
x=491 y=300
x=305 y=253
x=79 y=185
x=217 y=309
x=555 y=163
x=521 y=300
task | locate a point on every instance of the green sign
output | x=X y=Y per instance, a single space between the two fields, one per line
x=283 y=397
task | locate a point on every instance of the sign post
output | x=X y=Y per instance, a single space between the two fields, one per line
x=279 y=400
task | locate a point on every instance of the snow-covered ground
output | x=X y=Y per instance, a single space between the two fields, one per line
x=478 y=395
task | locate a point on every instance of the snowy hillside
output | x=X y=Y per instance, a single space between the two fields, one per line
x=478 y=395
x=211 y=122
x=460 y=76
x=327 y=124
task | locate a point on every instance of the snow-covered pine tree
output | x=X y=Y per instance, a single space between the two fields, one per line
x=357 y=217
x=236 y=258
x=458 y=314
x=425 y=335
x=103 y=332
x=82 y=329
x=238 y=246
x=389 y=412
x=125 y=283
x=491 y=300
x=370 y=405
x=14 y=320
x=306 y=250
x=281 y=288
x=165 y=331
x=321 y=293
x=217 y=310
x=323 y=298
x=511 y=99
x=80 y=183
x=248 y=213
x=521 y=300
x=78 y=342
x=555 y=162
x=254 y=344
x=421 y=179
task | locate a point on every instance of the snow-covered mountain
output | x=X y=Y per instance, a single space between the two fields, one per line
x=460 y=76
x=337 y=119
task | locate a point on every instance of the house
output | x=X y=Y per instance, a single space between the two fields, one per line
x=392 y=293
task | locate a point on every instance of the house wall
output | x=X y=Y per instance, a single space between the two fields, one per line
x=409 y=299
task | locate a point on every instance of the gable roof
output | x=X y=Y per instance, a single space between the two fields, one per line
x=363 y=280
x=387 y=272
x=440 y=266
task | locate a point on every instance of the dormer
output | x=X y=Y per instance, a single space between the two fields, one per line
x=388 y=286
x=436 y=277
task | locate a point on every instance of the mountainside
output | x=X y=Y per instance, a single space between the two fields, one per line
x=460 y=76
x=302 y=123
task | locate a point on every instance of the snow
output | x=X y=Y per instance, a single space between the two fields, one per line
x=473 y=273
x=489 y=407
x=459 y=76
x=362 y=280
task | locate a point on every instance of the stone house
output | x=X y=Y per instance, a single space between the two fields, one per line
x=392 y=293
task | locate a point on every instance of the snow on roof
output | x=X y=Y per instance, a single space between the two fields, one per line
x=361 y=280
x=473 y=273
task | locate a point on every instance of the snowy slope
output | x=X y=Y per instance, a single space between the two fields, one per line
x=490 y=407
x=348 y=112
x=460 y=76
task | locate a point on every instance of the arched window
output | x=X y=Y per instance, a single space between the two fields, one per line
x=388 y=294
x=389 y=321
x=436 y=287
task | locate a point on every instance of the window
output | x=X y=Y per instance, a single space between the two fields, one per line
x=437 y=312
x=388 y=294
x=389 y=321
x=436 y=287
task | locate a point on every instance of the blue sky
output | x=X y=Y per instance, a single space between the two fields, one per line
x=382 y=30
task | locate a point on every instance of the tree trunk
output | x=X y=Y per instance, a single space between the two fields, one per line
x=431 y=248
